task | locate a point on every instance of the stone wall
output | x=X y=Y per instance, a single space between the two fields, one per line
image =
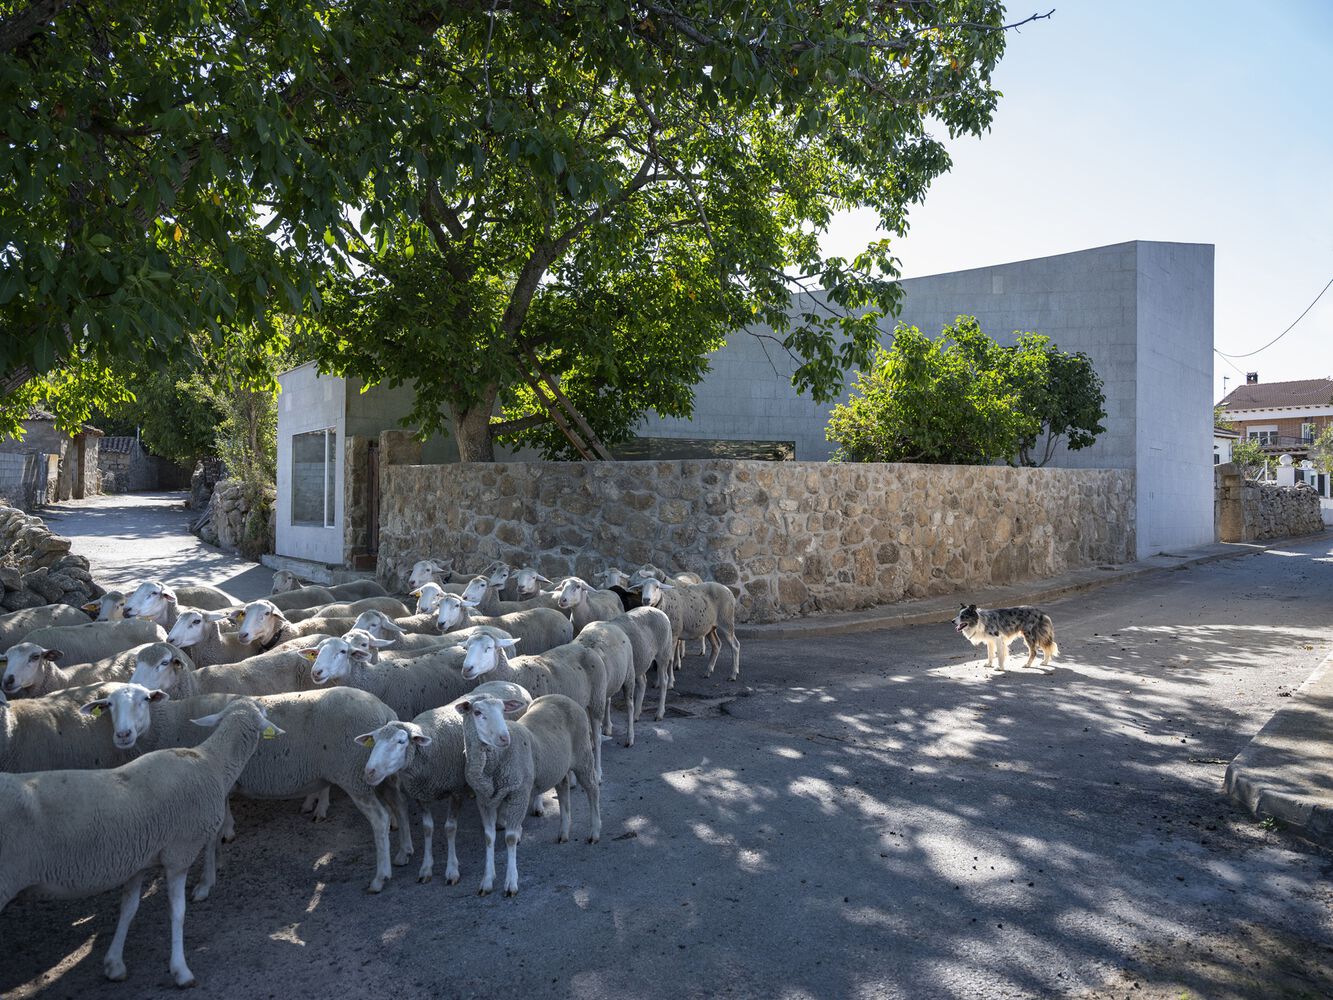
x=1250 y=511
x=790 y=538
x=233 y=522
x=37 y=567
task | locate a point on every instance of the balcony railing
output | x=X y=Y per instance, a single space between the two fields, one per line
x=1286 y=442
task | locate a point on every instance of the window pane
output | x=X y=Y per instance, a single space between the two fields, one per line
x=309 y=478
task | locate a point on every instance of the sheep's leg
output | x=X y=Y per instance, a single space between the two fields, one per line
x=208 y=877
x=631 y=683
x=594 y=792
x=677 y=661
x=640 y=689
x=450 y=830
x=712 y=662
x=487 y=811
x=318 y=805
x=703 y=645
x=114 y=964
x=607 y=728
x=228 y=824
x=661 y=695
x=378 y=817
x=538 y=803
x=180 y=972
x=562 y=796
x=596 y=746
x=398 y=802
x=735 y=655
x=427 y=869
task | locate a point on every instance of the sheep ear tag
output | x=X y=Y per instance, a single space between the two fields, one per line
x=96 y=713
x=369 y=741
x=269 y=732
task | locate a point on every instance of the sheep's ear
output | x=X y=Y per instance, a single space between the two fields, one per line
x=91 y=607
x=463 y=707
x=236 y=615
x=51 y=654
x=509 y=642
x=468 y=604
x=515 y=704
x=177 y=664
x=393 y=626
x=216 y=616
x=95 y=708
x=665 y=586
x=421 y=739
x=365 y=739
x=311 y=654
x=381 y=643
x=168 y=595
x=359 y=654
x=157 y=694
x=541 y=578
x=208 y=720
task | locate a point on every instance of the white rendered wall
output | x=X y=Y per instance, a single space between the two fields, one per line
x=308 y=402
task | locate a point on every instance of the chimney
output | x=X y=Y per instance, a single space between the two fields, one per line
x=1251 y=378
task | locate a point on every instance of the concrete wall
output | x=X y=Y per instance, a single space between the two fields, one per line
x=1143 y=313
x=789 y=537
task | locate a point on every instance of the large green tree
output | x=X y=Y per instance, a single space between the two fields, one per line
x=588 y=201
x=1059 y=391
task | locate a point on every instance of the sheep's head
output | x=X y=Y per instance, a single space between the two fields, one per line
x=192 y=626
x=485 y=652
x=651 y=590
x=260 y=622
x=497 y=573
x=333 y=658
x=451 y=613
x=151 y=600
x=159 y=665
x=130 y=715
x=526 y=581
x=285 y=580
x=391 y=747
x=360 y=639
x=110 y=607
x=23 y=664
x=476 y=589
x=427 y=571
x=571 y=592
x=379 y=625
x=247 y=706
x=428 y=597
x=487 y=715
x=613 y=576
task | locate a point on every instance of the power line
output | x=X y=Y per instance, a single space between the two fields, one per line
x=1284 y=332
x=1224 y=358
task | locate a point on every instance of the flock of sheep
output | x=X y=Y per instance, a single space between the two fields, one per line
x=121 y=739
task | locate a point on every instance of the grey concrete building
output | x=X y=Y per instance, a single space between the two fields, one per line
x=1143 y=311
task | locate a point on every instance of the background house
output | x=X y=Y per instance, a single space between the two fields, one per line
x=1223 y=439
x=48 y=465
x=1142 y=311
x=1284 y=417
x=127 y=467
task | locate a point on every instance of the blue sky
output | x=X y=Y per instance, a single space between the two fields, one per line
x=1196 y=122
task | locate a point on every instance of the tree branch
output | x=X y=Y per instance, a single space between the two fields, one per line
x=21 y=28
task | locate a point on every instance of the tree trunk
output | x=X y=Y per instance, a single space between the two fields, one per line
x=472 y=428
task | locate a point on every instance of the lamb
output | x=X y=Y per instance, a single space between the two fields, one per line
x=539 y=629
x=199 y=632
x=522 y=584
x=304 y=597
x=428 y=597
x=585 y=604
x=320 y=750
x=262 y=623
x=389 y=605
x=110 y=607
x=93 y=641
x=17 y=624
x=31 y=671
x=507 y=762
x=409 y=687
x=426 y=755
x=574 y=670
x=702 y=609
x=285 y=581
x=617 y=653
x=43 y=734
x=162 y=808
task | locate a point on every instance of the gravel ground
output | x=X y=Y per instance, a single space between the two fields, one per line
x=865 y=816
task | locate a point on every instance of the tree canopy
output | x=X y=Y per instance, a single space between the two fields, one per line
x=963 y=399
x=561 y=208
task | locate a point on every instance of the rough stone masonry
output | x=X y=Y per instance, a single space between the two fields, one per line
x=790 y=538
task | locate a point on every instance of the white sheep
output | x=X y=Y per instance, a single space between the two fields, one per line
x=17 y=624
x=93 y=641
x=154 y=601
x=523 y=583
x=319 y=750
x=409 y=687
x=506 y=763
x=483 y=593
x=263 y=623
x=303 y=597
x=425 y=571
x=161 y=809
x=649 y=571
x=44 y=734
x=285 y=581
x=617 y=654
x=31 y=671
x=574 y=670
x=110 y=607
x=405 y=641
x=650 y=636
x=539 y=629
x=427 y=756
x=428 y=597
x=200 y=632
x=583 y=604
x=349 y=609
x=695 y=611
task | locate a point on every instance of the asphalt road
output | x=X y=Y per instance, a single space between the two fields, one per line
x=867 y=816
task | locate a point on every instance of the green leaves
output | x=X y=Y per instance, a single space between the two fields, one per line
x=963 y=399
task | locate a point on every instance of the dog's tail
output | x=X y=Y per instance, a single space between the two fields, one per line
x=1046 y=636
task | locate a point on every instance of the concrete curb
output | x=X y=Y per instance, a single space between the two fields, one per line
x=1266 y=776
x=937 y=610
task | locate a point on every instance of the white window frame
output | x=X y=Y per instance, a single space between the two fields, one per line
x=1308 y=435
x=1264 y=435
